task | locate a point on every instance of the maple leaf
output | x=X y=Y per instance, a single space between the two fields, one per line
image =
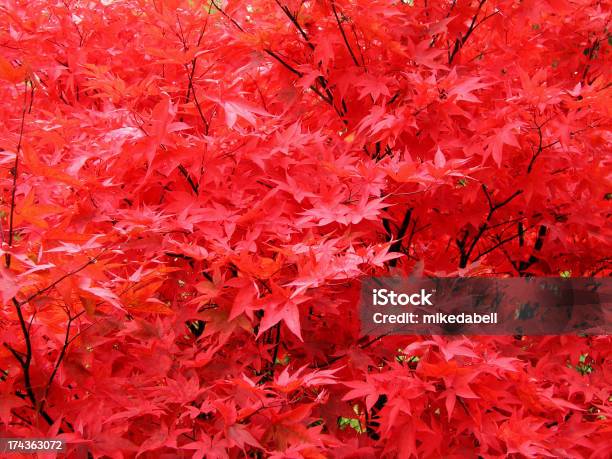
x=11 y=73
x=371 y=86
x=235 y=108
x=503 y=136
x=7 y=403
x=462 y=89
x=279 y=307
x=101 y=292
x=360 y=389
x=9 y=285
x=324 y=49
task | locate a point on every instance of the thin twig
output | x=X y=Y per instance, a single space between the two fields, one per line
x=465 y=250
x=459 y=42
x=344 y=37
x=231 y=19
x=294 y=20
x=7 y=257
x=401 y=233
x=61 y=356
x=60 y=279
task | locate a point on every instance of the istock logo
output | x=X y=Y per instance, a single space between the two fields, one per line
x=383 y=297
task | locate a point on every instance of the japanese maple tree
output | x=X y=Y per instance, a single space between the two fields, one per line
x=192 y=191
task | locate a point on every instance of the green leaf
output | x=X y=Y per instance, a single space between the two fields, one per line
x=353 y=423
x=284 y=361
x=584 y=368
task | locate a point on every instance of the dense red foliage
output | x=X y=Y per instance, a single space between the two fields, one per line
x=191 y=192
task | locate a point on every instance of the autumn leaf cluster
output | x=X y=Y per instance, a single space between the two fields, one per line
x=192 y=192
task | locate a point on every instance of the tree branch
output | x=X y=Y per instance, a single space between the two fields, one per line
x=15 y=170
x=465 y=250
x=459 y=42
x=401 y=233
x=232 y=20
x=194 y=186
x=60 y=279
x=25 y=362
x=25 y=359
x=499 y=244
x=344 y=37
x=294 y=21
x=524 y=265
x=61 y=356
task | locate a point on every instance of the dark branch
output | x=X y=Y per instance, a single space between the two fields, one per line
x=467 y=250
x=294 y=21
x=499 y=244
x=25 y=362
x=344 y=37
x=194 y=187
x=459 y=42
x=232 y=20
x=524 y=265
x=15 y=170
x=401 y=233
x=61 y=356
x=60 y=279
